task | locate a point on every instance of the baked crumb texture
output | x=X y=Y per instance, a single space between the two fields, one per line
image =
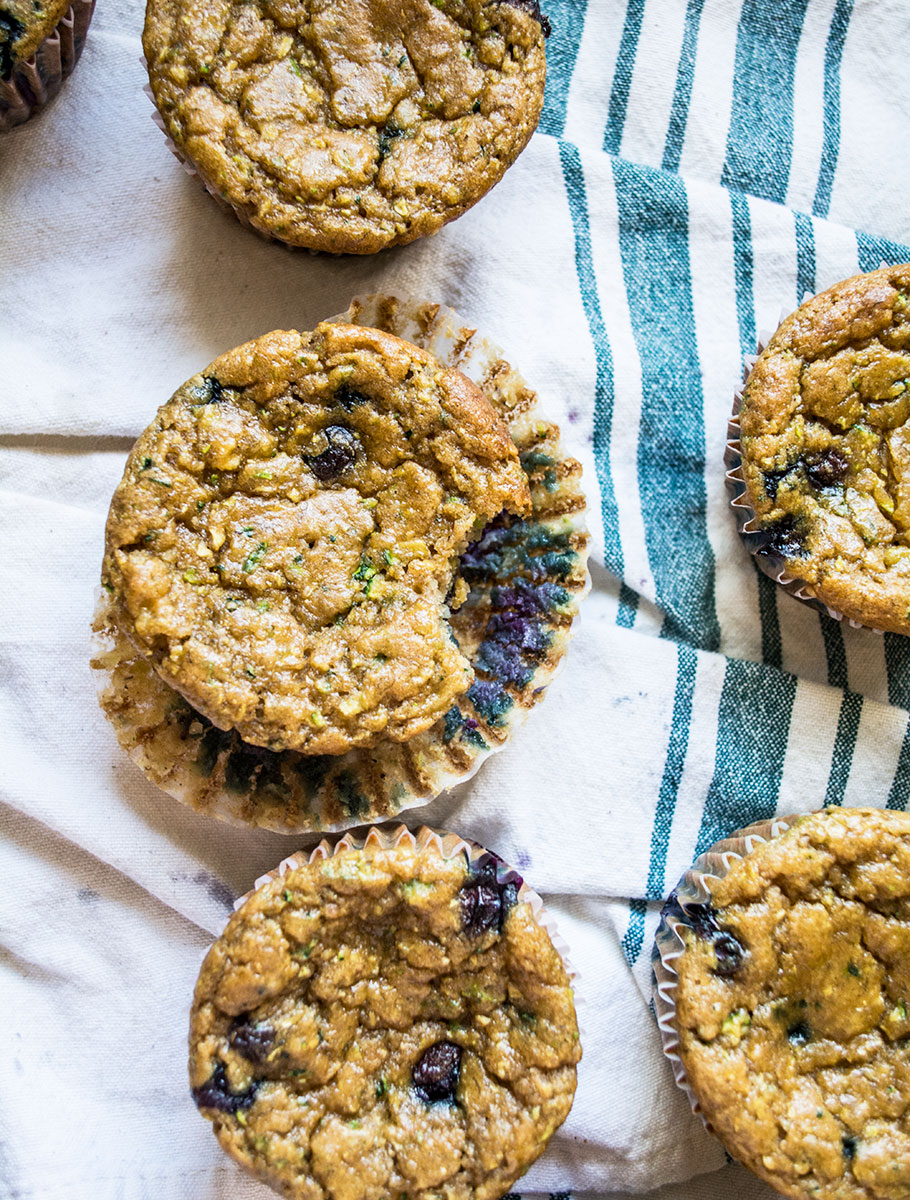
x=348 y=126
x=523 y=578
x=793 y=1007
x=384 y=1023
x=826 y=447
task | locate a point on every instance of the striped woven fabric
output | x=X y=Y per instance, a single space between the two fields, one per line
x=716 y=158
x=720 y=161
x=700 y=166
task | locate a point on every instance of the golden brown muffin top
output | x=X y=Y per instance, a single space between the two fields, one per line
x=348 y=126
x=826 y=446
x=385 y=1022
x=793 y=1007
x=285 y=534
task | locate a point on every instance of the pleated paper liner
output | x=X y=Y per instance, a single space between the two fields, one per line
x=526 y=579
x=693 y=889
x=35 y=82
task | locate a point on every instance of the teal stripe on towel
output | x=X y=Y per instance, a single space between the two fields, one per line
x=900 y=786
x=753 y=727
x=834 y=52
x=760 y=135
x=567 y=19
x=662 y=827
x=743 y=267
x=654 y=246
x=622 y=76
x=573 y=177
x=682 y=94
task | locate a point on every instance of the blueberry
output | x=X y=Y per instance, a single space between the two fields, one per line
x=254 y=1042
x=800 y=1033
x=216 y=1093
x=826 y=469
x=11 y=29
x=338 y=455
x=481 y=908
x=533 y=7
x=216 y=389
x=729 y=953
x=386 y=134
x=484 y=900
x=771 y=481
x=849 y=1144
x=349 y=397
x=785 y=539
x=435 y=1074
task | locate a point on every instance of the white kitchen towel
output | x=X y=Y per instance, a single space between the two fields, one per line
x=700 y=166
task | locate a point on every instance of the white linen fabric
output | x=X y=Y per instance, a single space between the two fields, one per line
x=699 y=167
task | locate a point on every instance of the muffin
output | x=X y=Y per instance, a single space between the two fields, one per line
x=524 y=578
x=389 y=1019
x=40 y=43
x=286 y=532
x=347 y=127
x=783 y=976
x=825 y=450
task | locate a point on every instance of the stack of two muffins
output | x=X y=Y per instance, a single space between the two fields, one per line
x=337 y=574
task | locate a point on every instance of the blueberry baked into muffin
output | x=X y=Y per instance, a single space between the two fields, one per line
x=283 y=541
x=40 y=43
x=391 y=1020
x=792 y=1003
x=825 y=447
x=348 y=125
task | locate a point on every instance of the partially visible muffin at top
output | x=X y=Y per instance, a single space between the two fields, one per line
x=826 y=447
x=283 y=543
x=348 y=126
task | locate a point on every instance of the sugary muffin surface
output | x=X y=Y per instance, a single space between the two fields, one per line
x=285 y=535
x=348 y=125
x=385 y=1023
x=826 y=446
x=24 y=24
x=793 y=1007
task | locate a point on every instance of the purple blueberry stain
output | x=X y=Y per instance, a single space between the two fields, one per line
x=436 y=1073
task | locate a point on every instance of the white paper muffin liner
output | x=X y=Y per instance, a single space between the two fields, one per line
x=692 y=889
x=526 y=579
x=36 y=81
x=751 y=532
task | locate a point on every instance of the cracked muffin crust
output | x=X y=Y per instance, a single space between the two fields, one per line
x=792 y=1006
x=284 y=538
x=348 y=127
x=393 y=1020
x=826 y=447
